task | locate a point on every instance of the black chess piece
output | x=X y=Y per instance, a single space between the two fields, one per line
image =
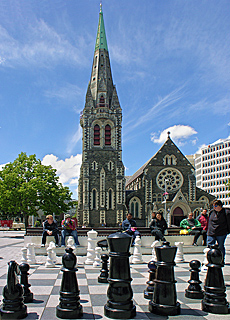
x=27 y=294
x=119 y=304
x=69 y=306
x=148 y=292
x=13 y=306
x=103 y=278
x=165 y=298
x=214 y=296
x=194 y=290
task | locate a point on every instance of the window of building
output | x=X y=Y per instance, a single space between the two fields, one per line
x=110 y=199
x=94 y=199
x=102 y=101
x=96 y=135
x=107 y=135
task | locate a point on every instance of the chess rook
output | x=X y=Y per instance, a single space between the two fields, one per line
x=13 y=306
x=92 y=239
x=119 y=304
x=214 y=296
x=103 y=278
x=194 y=290
x=164 y=298
x=148 y=292
x=27 y=295
x=69 y=306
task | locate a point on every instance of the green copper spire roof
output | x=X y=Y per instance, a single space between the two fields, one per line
x=101 y=42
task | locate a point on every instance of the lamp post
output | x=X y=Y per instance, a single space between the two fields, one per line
x=165 y=202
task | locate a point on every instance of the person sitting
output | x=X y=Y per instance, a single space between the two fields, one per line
x=158 y=226
x=69 y=228
x=130 y=227
x=193 y=226
x=203 y=219
x=154 y=213
x=50 y=228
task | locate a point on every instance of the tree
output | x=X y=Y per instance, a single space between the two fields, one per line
x=27 y=186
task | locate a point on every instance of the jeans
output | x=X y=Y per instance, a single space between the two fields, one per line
x=159 y=235
x=65 y=233
x=197 y=233
x=133 y=234
x=54 y=233
x=220 y=240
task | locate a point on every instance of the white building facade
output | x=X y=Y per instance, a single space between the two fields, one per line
x=213 y=169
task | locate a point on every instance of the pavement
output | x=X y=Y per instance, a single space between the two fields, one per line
x=45 y=284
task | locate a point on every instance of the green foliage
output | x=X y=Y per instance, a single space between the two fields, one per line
x=27 y=186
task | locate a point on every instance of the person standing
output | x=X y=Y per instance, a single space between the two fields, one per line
x=218 y=225
x=69 y=228
x=193 y=226
x=50 y=228
x=158 y=227
x=129 y=226
x=203 y=219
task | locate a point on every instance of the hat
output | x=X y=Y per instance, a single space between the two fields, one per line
x=67 y=216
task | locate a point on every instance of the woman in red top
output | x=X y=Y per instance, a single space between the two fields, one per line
x=204 y=224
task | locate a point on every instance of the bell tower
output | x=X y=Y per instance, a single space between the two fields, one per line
x=101 y=191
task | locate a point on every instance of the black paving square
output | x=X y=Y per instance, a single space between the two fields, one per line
x=98 y=299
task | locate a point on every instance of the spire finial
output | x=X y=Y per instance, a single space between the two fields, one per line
x=100 y=6
x=168 y=134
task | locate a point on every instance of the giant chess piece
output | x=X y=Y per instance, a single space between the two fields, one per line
x=180 y=252
x=164 y=297
x=49 y=260
x=204 y=267
x=148 y=292
x=194 y=290
x=97 y=260
x=155 y=243
x=24 y=255
x=31 y=253
x=13 y=306
x=119 y=304
x=69 y=306
x=27 y=294
x=103 y=278
x=214 y=296
x=137 y=255
x=92 y=239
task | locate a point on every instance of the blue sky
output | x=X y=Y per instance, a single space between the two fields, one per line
x=170 y=63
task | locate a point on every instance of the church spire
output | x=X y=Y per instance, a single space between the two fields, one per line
x=101 y=42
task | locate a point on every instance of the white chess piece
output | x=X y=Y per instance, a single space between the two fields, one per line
x=71 y=244
x=24 y=255
x=180 y=252
x=53 y=252
x=204 y=268
x=49 y=261
x=155 y=243
x=92 y=238
x=137 y=255
x=31 y=254
x=97 y=260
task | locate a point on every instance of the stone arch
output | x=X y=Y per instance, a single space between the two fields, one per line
x=178 y=212
x=135 y=207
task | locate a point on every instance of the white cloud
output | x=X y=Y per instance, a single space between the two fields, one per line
x=3 y=165
x=211 y=144
x=68 y=170
x=179 y=133
x=74 y=140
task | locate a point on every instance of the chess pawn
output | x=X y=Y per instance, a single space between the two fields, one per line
x=69 y=306
x=92 y=238
x=24 y=255
x=194 y=290
x=13 y=306
x=103 y=278
x=27 y=294
x=97 y=260
x=31 y=254
x=153 y=245
x=71 y=244
x=214 y=296
x=204 y=267
x=164 y=298
x=148 y=292
x=180 y=252
x=53 y=252
x=119 y=304
x=49 y=261
x=137 y=255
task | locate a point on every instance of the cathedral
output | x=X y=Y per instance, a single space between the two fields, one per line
x=166 y=182
x=101 y=191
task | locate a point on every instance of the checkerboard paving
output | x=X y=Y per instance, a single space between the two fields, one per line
x=45 y=285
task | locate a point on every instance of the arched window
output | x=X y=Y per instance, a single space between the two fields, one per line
x=96 y=135
x=94 y=200
x=107 y=135
x=137 y=209
x=102 y=101
x=132 y=208
x=110 y=199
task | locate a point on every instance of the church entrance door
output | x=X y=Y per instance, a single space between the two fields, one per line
x=177 y=216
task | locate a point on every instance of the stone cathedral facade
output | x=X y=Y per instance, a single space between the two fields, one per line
x=101 y=191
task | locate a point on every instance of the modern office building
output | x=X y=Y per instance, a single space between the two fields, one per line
x=213 y=169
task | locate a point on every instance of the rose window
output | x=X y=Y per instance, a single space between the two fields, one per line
x=171 y=177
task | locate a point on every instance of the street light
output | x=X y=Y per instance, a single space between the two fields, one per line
x=165 y=195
